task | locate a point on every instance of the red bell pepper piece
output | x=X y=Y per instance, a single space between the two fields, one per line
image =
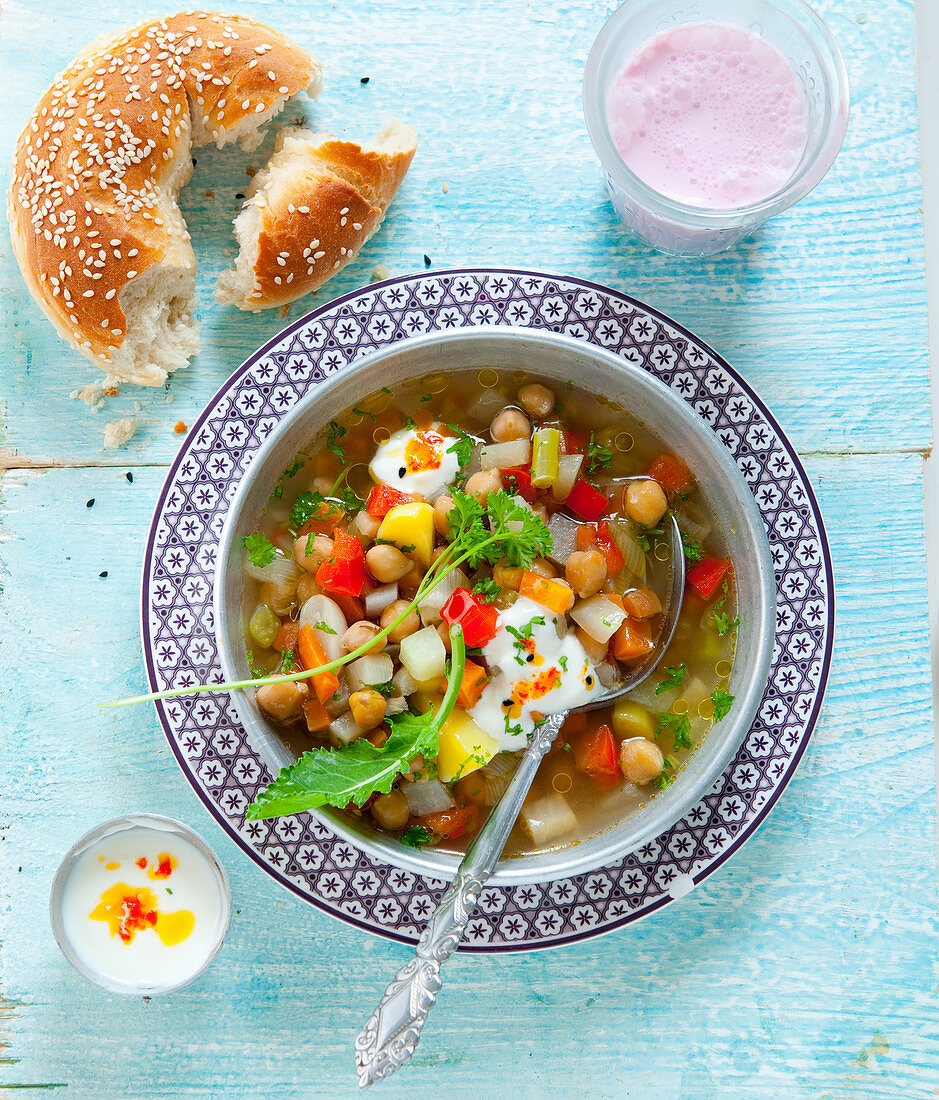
x=596 y=536
x=517 y=482
x=477 y=618
x=574 y=443
x=706 y=576
x=587 y=500
x=595 y=754
x=344 y=571
x=451 y=823
x=383 y=498
x=672 y=473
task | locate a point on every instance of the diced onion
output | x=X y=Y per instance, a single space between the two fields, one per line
x=321 y=609
x=503 y=456
x=693 y=520
x=423 y=655
x=606 y=674
x=345 y=729
x=397 y=704
x=338 y=702
x=563 y=538
x=379 y=598
x=495 y=777
x=486 y=405
x=547 y=819
x=404 y=682
x=368 y=671
x=599 y=617
x=429 y=796
x=568 y=472
x=365 y=524
x=634 y=559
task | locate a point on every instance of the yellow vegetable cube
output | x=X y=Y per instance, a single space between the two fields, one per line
x=464 y=747
x=411 y=528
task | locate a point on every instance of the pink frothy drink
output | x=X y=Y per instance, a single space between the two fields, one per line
x=710 y=115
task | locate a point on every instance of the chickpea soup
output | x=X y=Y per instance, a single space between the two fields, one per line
x=448 y=563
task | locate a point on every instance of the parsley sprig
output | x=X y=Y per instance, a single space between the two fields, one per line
x=722 y=619
x=674 y=677
x=692 y=548
x=260 y=549
x=514 y=534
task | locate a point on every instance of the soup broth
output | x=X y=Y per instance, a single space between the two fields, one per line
x=373 y=506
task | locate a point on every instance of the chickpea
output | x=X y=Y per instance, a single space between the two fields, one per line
x=438 y=553
x=358 y=634
x=641 y=760
x=645 y=502
x=508 y=576
x=543 y=568
x=284 y=701
x=402 y=630
x=323 y=485
x=585 y=572
x=411 y=580
x=368 y=708
x=387 y=563
x=443 y=629
x=510 y=424
x=309 y=553
x=481 y=484
x=391 y=810
x=442 y=506
x=536 y=400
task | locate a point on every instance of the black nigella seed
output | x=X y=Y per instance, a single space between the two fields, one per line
x=506 y=702
x=89 y=503
x=402 y=472
x=364 y=79
x=239 y=195
x=426 y=260
x=530 y=658
x=130 y=477
x=103 y=573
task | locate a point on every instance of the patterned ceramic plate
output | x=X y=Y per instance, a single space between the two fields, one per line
x=179 y=644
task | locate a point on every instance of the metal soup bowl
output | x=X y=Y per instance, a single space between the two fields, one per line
x=556 y=358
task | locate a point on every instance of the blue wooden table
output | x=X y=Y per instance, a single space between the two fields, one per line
x=804 y=968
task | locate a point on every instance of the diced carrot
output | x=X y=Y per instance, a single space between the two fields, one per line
x=471 y=686
x=453 y=822
x=614 y=598
x=633 y=640
x=597 y=755
x=325 y=684
x=351 y=606
x=641 y=603
x=317 y=716
x=672 y=474
x=551 y=594
x=287 y=636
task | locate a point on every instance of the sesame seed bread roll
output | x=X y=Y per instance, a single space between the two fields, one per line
x=310 y=210
x=92 y=202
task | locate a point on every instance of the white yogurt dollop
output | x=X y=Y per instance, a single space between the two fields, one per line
x=416 y=461
x=538 y=673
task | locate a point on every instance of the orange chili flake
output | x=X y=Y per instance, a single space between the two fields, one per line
x=180 y=427
x=527 y=690
x=142 y=862
x=423 y=451
x=165 y=866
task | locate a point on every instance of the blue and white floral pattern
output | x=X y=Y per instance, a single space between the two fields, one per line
x=178 y=628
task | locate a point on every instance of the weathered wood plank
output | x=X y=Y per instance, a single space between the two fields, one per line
x=830 y=294
x=806 y=967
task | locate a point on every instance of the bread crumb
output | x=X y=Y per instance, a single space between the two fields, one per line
x=92 y=395
x=180 y=428
x=445 y=187
x=111 y=391
x=284 y=310
x=117 y=432
x=379 y=272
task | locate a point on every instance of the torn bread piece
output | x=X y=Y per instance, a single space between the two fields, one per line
x=92 y=203
x=309 y=212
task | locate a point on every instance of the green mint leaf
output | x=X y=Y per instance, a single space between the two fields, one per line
x=260 y=549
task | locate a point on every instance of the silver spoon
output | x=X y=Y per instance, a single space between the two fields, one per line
x=390 y=1035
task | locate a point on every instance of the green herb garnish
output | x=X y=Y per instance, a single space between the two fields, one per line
x=260 y=549
x=362 y=412
x=680 y=729
x=597 y=456
x=325 y=627
x=336 y=432
x=487 y=589
x=722 y=704
x=292 y=470
x=336 y=777
x=462 y=448
x=415 y=837
x=647 y=537
x=692 y=548
x=410 y=424
x=674 y=678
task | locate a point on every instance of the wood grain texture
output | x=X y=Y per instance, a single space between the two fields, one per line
x=832 y=289
x=773 y=978
x=806 y=967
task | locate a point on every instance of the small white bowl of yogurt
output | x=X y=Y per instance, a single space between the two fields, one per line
x=140 y=905
x=708 y=121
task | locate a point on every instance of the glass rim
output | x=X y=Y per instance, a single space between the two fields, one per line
x=800 y=184
x=63 y=870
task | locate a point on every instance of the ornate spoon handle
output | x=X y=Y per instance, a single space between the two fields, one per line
x=389 y=1037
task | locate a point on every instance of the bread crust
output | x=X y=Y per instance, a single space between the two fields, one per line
x=318 y=201
x=92 y=200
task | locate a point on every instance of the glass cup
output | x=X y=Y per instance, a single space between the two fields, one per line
x=805 y=42
x=217 y=883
